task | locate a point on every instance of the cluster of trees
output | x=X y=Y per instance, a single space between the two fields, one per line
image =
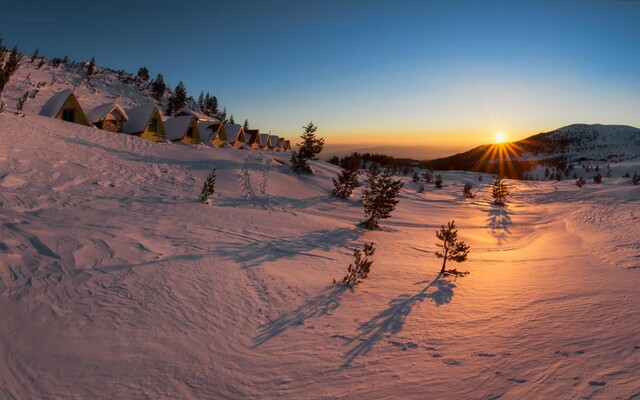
x=392 y=164
x=8 y=66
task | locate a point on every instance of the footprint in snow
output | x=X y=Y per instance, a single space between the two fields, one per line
x=484 y=354
x=451 y=362
x=516 y=380
x=597 y=383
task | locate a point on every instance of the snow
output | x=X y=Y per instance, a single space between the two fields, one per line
x=233 y=131
x=176 y=127
x=138 y=118
x=55 y=103
x=100 y=112
x=116 y=282
x=206 y=133
x=198 y=116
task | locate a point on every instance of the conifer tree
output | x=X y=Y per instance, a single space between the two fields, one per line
x=143 y=73
x=359 y=270
x=209 y=187
x=211 y=104
x=91 y=66
x=415 y=177
x=201 y=102
x=35 y=54
x=21 y=101
x=179 y=97
x=231 y=121
x=380 y=197
x=346 y=182
x=499 y=191
x=310 y=147
x=580 y=182
x=635 y=179
x=421 y=188
x=158 y=87
x=428 y=177
x=245 y=126
x=8 y=66
x=222 y=115
x=438 y=181
x=597 y=178
x=466 y=191
x=451 y=248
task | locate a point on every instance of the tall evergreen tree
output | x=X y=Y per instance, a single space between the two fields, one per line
x=222 y=115
x=143 y=73
x=201 y=102
x=35 y=54
x=451 y=248
x=158 y=87
x=310 y=147
x=499 y=191
x=380 y=197
x=231 y=120
x=346 y=182
x=245 y=126
x=179 y=97
x=8 y=66
x=91 y=66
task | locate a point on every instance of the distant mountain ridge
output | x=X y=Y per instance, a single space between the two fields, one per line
x=558 y=148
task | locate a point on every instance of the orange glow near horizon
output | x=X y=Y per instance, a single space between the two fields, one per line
x=500 y=137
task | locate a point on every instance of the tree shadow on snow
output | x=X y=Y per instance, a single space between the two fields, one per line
x=254 y=254
x=499 y=222
x=391 y=320
x=323 y=304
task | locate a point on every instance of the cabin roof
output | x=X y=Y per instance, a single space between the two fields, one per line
x=176 y=127
x=53 y=106
x=233 y=132
x=138 y=118
x=99 y=113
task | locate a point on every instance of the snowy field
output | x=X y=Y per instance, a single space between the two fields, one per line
x=115 y=282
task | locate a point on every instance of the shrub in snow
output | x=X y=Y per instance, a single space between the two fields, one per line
x=91 y=66
x=310 y=147
x=415 y=177
x=499 y=191
x=20 y=103
x=380 y=197
x=438 y=181
x=345 y=184
x=451 y=249
x=580 y=182
x=359 y=270
x=209 y=187
x=597 y=178
x=421 y=188
x=8 y=66
x=466 y=191
x=635 y=179
x=428 y=177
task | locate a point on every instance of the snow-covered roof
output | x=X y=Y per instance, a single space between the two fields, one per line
x=99 y=113
x=138 y=118
x=273 y=141
x=176 y=127
x=264 y=137
x=252 y=135
x=233 y=131
x=208 y=130
x=53 y=106
x=198 y=116
x=281 y=142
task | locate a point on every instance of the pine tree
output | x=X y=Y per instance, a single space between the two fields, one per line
x=415 y=177
x=245 y=126
x=211 y=104
x=222 y=115
x=91 y=66
x=158 y=87
x=143 y=73
x=428 y=177
x=35 y=54
x=359 y=270
x=209 y=187
x=346 y=182
x=310 y=147
x=438 y=181
x=231 y=120
x=580 y=182
x=421 y=188
x=8 y=66
x=635 y=179
x=597 y=178
x=201 y=102
x=499 y=191
x=466 y=191
x=170 y=108
x=179 y=97
x=451 y=248
x=380 y=197
x=21 y=101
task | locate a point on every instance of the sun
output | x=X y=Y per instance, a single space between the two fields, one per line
x=500 y=137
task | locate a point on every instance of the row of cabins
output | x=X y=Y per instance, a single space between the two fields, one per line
x=146 y=121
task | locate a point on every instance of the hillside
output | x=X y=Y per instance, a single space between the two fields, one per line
x=573 y=144
x=104 y=86
x=116 y=282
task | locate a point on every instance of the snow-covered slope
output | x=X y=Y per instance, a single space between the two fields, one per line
x=104 y=86
x=116 y=282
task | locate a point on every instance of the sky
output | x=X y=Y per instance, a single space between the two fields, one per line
x=422 y=74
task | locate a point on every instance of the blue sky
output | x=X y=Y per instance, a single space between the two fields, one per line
x=436 y=73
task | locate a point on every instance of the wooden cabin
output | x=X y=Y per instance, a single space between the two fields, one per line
x=213 y=133
x=145 y=121
x=264 y=141
x=273 y=142
x=65 y=106
x=235 y=135
x=183 y=129
x=108 y=117
x=287 y=145
x=253 y=138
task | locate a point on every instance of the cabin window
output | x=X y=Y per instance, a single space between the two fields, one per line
x=68 y=115
x=153 y=125
x=190 y=133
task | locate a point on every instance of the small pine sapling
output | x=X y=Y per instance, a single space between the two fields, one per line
x=20 y=103
x=580 y=182
x=451 y=249
x=415 y=177
x=597 y=178
x=209 y=187
x=466 y=191
x=635 y=179
x=438 y=181
x=499 y=191
x=380 y=197
x=359 y=270
x=428 y=177
x=421 y=188
x=346 y=182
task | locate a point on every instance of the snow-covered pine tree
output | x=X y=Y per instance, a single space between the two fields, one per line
x=361 y=266
x=345 y=183
x=380 y=197
x=209 y=187
x=451 y=248
x=499 y=191
x=310 y=147
x=466 y=191
x=438 y=181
